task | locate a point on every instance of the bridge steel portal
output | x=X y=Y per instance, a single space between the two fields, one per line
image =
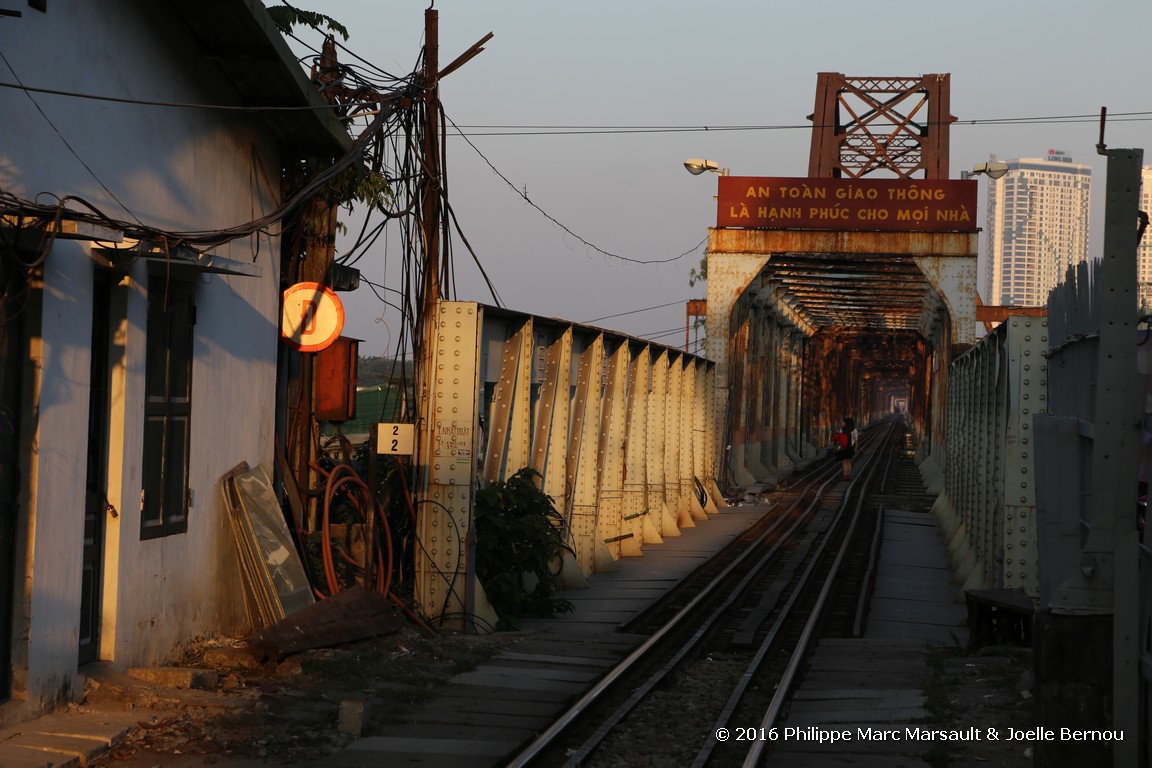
x=846 y=293
x=809 y=326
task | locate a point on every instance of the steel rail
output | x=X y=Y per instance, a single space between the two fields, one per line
x=809 y=497
x=724 y=719
x=869 y=576
x=610 y=723
x=784 y=688
x=549 y=736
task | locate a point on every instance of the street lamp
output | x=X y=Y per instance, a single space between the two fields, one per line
x=993 y=170
x=697 y=166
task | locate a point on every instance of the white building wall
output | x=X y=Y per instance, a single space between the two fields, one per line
x=190 y=583
x=176 y=169
x=48 y=623
x=1038 y=224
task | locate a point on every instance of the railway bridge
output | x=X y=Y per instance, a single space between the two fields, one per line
x=851 y=292
x=848 y=292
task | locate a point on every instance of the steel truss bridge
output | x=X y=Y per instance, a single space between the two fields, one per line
x=835 y=295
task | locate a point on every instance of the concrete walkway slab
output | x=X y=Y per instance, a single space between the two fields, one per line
x=876 y=683
x=486 y=714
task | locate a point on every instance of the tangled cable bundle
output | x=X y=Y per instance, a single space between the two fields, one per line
x=343 y=482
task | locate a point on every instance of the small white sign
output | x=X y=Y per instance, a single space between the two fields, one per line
x=395 y=439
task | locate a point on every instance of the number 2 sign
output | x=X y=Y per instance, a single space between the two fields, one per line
x=395 y=439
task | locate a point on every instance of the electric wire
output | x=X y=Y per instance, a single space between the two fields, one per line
x=178 y=104
x=524 y=196
x=349 y=51
x=633 y=311
x=387 y=144
x=64 y=140
x=653 y=335
x=390 y=81
x=594 y=130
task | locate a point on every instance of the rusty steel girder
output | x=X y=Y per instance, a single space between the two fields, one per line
x=867 y=125
x=879 y=280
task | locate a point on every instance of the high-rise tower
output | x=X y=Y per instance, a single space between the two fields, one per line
x=1037 y=227
x=1144 y=252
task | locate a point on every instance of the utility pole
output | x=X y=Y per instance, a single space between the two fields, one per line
x=430 y=234
x=431 y=188
x=315 y=235
x=444 y=505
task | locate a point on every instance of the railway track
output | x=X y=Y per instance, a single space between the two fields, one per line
x=726 y=647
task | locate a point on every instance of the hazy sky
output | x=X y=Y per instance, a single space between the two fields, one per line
x=683 y=66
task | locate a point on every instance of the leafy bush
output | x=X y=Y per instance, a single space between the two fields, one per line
x=518 y=532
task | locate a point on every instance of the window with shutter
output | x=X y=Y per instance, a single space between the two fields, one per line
x=167 y=407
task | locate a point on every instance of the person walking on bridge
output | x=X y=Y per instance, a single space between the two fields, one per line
x=844 y=442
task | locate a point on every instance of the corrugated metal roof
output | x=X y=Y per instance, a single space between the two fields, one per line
x=239 y=38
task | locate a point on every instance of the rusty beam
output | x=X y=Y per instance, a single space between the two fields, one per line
x=998 y=314
x=854 y=244
x=894 y=125
x=694 y=308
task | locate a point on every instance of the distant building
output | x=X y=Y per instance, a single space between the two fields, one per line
x=1037 y=227
x=1144 y=252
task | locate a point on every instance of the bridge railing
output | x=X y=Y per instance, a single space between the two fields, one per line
x=988 y=506
x=1049 y=441
x=621 y=430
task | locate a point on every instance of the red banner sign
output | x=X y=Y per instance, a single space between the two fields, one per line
x=904 y=205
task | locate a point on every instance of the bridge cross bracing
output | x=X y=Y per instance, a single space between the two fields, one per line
x=877 y=315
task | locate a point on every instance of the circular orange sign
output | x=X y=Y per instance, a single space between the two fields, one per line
x=311 y=317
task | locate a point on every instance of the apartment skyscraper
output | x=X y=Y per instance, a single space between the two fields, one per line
x=1037 y=227
x=1144 y=252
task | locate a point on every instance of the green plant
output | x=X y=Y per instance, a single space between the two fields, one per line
x=285 y=17
x=698 y=275
x=518 y=533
